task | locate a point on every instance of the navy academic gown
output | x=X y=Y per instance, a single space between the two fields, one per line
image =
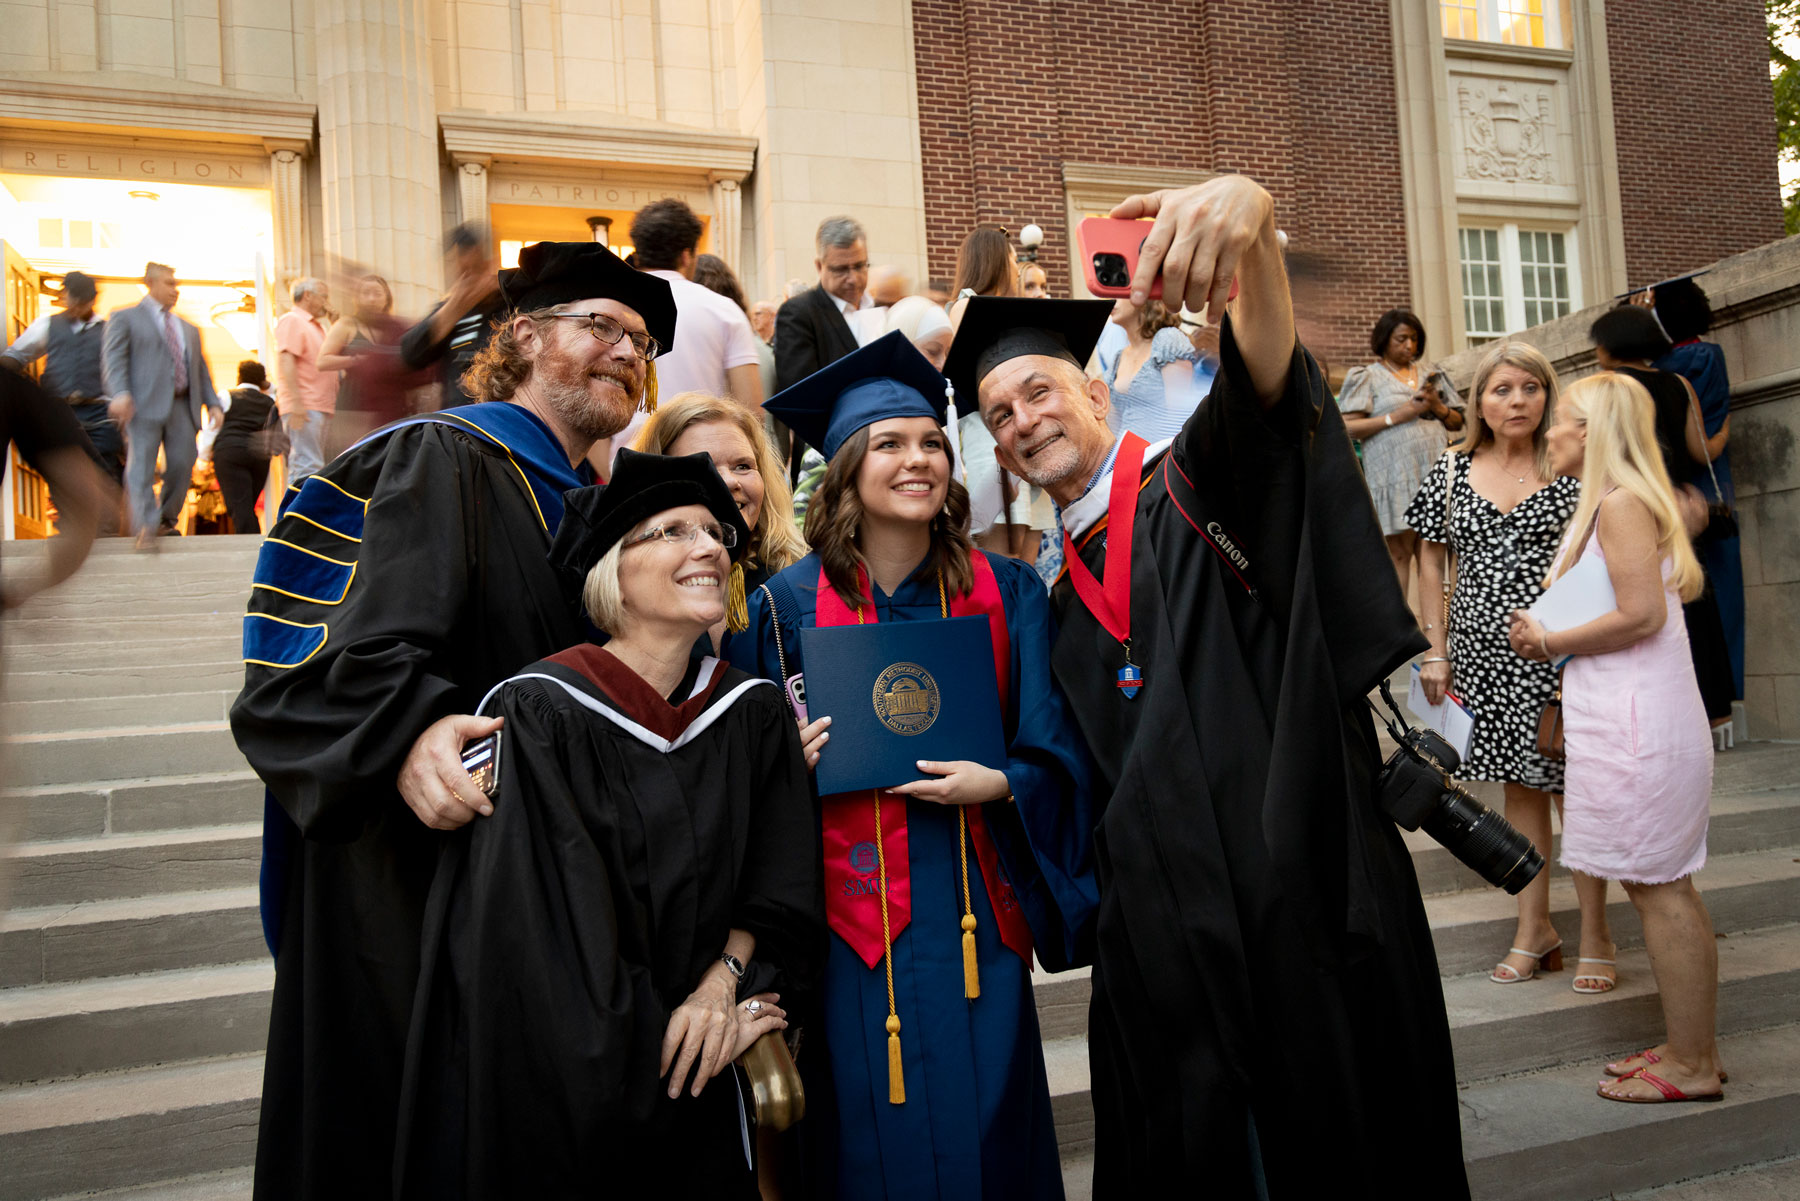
x=400 y=584
x=976 y=1123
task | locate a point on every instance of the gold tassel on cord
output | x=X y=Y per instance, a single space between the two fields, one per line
x=896 y=1078
x=971 y=979
x=737 y=607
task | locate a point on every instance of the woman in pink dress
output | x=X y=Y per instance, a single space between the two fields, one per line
x=1639 y=773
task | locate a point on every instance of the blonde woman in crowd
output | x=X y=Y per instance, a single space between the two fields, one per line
x=1490 y=514
x=733 y=436
x=1640 y=756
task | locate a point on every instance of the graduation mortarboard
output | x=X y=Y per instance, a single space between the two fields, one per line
x=887 y=378
x=553 y=273
x=997 y=328
x=596 y=518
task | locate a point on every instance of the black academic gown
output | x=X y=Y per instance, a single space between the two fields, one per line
x=629 y=836
x=401 y=583
x=1262 y=945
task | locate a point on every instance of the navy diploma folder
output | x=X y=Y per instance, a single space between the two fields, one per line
x=898 y=692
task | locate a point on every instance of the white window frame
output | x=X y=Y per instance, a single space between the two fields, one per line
x=1512 y=271
x=1487 y=24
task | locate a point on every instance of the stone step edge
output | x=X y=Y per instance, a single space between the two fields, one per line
x=179 y=836
x=35 y=791
x=130 y=1092
x=113 y=732
x=119 y=994
x=156 y=904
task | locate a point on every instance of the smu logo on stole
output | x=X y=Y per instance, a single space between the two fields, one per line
x=864 y=862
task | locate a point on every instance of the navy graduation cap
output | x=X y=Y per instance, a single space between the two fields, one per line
x=887 y=378
x=995 y=329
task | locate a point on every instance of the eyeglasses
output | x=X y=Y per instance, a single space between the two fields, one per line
x=839 y=272
x=610 y=331
x=683 y=533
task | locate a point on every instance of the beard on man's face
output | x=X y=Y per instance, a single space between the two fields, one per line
x=577 y=391
x=1049 y=457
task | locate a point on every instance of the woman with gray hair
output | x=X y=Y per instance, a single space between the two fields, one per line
x=647 y=888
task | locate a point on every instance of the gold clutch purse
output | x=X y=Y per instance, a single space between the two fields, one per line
x=775 y=1085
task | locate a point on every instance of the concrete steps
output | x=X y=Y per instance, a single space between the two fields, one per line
x=96 y=939
x=116 y=866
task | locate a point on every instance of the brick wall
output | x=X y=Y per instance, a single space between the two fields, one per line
x=1696 y=132
x=1009 y=91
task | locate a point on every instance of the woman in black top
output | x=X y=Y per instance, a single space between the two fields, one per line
x=1627 y=339
x=245 y=442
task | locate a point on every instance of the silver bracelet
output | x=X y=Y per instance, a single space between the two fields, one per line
x=1434 y=659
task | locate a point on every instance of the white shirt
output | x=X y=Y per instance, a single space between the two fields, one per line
x=30 y=346
x=868 y=302
x=712 y=335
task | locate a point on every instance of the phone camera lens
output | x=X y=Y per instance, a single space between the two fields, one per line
x=1109 y=270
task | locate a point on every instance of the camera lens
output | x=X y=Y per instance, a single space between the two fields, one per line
x=1483 y=840
x=1109 y=269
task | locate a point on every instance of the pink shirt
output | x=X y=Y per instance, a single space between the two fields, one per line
x=301 y=335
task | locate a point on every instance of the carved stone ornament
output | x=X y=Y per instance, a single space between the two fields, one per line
x=1506 y=138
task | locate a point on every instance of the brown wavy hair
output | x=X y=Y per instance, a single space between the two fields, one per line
x=501 y=366
x=834 y=516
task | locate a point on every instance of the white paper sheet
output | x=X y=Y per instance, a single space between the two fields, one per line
x=1448 y=717
x=1583 y=593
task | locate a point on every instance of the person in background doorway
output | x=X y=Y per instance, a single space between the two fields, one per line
x=1398 y=409
x=71 y=345
x=248 y=438
x=762 y=320
x=365 y=346
x=454 y=332
x=1034 y=282
x=306 y=395
x=156 y=374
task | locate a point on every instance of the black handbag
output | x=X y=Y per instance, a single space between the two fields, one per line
x=1721 y=519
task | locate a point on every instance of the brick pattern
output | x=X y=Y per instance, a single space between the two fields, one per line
x=1695 y=127
x=1261 y=89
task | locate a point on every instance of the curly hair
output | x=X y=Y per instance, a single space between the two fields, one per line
x=835 y=513
x=501 y=366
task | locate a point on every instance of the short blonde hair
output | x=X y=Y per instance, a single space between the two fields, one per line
x=775 y=543
x=602 y=595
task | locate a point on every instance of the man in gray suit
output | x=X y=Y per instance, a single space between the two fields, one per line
x=160 y=389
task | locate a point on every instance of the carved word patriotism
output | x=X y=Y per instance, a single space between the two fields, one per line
x=612 y=196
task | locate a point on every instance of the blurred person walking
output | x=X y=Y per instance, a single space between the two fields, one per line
x=365 y=345
x=1626 y=340
x=160 y=393
x=732 y=436
x=1402 y=412
x=1682 y=308
x=1490 y=514
x=1640 y=757
x=306 y=394
x=461 y=324
x=248 y=438
x=71 y=343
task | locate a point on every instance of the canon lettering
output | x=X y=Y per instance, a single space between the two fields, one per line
x=1225 y=544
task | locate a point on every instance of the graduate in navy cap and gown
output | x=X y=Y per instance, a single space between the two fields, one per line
x=598 y=951
x=938 y=890
x=400 y=584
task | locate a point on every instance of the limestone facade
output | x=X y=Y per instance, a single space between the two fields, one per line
x=375 y=123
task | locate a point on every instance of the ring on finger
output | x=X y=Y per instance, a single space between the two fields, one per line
x=753 y=1006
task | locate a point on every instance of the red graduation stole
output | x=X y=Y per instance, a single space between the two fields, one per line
x=852 y=884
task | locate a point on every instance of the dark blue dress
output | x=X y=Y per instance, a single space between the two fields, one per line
x=976 y=1123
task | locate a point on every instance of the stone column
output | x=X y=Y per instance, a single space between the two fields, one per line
x=728 y=218
x=378 y=144
x=472 y=185
x=287 y=188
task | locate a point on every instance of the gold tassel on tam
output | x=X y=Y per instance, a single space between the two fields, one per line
x=737 y=607
x=648 y=403
x=896 y=1078
x=971 y=979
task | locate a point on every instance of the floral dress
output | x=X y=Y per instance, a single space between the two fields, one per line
x=1395 y=458
x=1500 y=563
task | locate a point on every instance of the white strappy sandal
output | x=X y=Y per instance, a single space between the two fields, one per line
x=1607 y=983
x=1548 y=960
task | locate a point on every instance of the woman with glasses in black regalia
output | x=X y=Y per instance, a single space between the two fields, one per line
x=937 y=890
x=624 y=925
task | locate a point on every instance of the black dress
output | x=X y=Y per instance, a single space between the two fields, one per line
x=241 y=454
x=1262 y=944
x=1705 y=628
x=631 y=833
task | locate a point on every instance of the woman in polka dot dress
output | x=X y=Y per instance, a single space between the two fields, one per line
x=1495 y=503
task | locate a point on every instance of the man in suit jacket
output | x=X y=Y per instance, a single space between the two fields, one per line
x=160 y=390
x=812 y=330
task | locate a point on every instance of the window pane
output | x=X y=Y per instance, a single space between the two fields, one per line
x=50 y=231
x=1459 y=18
x=1543 y=263
x=1522 y=22
x=1484 y=297
x=81 y=235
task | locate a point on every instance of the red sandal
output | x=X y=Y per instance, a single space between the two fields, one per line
x=1669 y=1091
x=1617 y=1069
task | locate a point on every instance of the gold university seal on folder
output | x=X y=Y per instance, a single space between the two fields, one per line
x=906 y=699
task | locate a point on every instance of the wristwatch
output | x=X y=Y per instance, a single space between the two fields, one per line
x=733 y=964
